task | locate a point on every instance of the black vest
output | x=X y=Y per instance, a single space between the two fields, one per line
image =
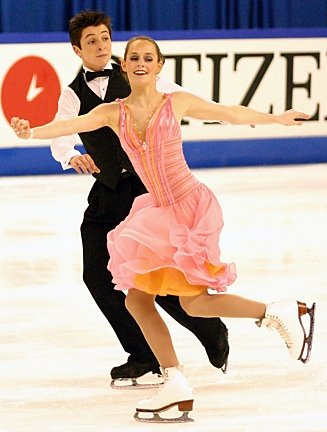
x=103 y=144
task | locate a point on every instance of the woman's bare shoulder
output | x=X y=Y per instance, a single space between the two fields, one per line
x=109 y=112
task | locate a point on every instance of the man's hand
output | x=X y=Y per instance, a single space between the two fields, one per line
x=84 y=164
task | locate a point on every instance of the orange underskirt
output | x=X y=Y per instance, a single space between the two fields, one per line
x=172 y=281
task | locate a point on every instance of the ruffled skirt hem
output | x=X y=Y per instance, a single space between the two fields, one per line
x=172 y=249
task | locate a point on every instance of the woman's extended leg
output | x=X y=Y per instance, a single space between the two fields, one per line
x=222 y=305
x=284 y=316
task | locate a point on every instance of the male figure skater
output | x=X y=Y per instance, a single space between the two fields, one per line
x=111 y=197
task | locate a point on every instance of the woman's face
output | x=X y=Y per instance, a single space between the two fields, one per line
x=141 y=63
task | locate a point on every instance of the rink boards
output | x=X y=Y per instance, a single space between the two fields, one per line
x=265 y=70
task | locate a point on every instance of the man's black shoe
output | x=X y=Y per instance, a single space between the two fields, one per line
x=218 y=352
x=134 y=370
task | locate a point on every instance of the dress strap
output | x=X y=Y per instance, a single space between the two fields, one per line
x=122 y=112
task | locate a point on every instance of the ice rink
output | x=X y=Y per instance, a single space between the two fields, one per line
x=57 y=349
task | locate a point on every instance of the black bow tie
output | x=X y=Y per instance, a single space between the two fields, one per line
x=91 y=75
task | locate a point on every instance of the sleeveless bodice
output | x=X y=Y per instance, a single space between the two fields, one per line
x=159 y=160
x=169 y=242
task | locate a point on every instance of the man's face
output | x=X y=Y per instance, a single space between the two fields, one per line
x=95 y=50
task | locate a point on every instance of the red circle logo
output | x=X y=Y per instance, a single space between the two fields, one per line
x=30 y=90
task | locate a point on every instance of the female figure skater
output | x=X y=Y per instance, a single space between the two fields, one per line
x=168 y=244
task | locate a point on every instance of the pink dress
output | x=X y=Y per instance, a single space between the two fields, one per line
x=169 y=242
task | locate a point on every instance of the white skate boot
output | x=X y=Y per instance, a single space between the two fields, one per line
x=285 y=317
x=176 y=392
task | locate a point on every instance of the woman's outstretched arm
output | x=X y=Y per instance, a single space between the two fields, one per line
x=189 y=105
x=102 y=115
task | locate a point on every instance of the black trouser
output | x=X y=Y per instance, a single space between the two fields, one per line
x=107 y=208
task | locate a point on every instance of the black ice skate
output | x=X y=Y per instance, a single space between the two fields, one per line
x=133 y=375
x=286 y=317
x=218 y=352
x=217 y=347
x=175 y=393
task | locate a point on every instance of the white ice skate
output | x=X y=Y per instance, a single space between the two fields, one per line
x=175 y=392
x=285 y=316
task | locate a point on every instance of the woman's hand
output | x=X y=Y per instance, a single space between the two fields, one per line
x=292 y=117
x=21 y=127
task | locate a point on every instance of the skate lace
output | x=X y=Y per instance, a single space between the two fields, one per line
x=274 y=323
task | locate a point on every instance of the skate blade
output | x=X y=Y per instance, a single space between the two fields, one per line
x=307 y=345
x=148 y=417
x=147 y=381
x=224 y=367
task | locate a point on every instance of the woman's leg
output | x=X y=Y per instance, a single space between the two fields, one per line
x=283 y=315
x=222 y=305
x=142 y=307
x=176 y=390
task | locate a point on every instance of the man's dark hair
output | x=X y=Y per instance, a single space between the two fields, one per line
x=86 y=19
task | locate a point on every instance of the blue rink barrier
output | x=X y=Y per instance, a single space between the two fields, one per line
x=199 y=154
x=252 y=152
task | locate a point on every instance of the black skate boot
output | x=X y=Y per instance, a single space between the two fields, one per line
x=219 y=351
x=126 y=375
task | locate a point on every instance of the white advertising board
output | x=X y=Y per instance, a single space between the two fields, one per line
x=265 y=74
